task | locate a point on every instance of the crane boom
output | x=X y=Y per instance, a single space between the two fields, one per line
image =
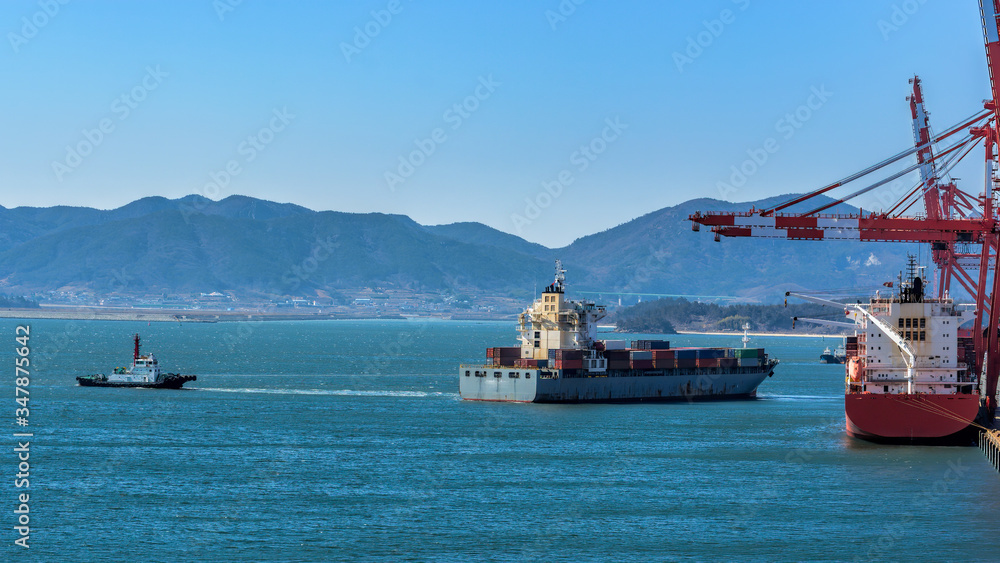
x=824 y=322
x=990 y=12
x=925 y=156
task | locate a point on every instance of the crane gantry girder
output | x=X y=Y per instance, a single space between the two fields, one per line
x=845 y=227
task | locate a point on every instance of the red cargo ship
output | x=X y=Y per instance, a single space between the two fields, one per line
x=909 y=376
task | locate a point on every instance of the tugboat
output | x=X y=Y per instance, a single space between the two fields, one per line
x=144 y=372
x=838 y=356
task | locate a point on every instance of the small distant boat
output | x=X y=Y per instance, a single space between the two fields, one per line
x=144 y=372
x=838 y=356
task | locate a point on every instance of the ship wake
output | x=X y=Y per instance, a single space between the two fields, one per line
x=331 y=392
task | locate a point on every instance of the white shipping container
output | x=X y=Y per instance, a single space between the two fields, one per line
x=614 y=344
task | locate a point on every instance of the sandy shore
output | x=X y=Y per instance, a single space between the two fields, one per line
x=788 y=334
x=81 y=315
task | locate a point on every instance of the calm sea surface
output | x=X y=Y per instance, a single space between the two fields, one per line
x=344 y=440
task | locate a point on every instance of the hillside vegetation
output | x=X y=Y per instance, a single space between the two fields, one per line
x=671 y=314
x=245 y=245
x=16 y=302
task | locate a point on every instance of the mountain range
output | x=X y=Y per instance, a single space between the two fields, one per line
x=242 y=244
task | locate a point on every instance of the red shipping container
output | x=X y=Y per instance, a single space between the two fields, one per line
x=569 y=354
x=503 y=352
x=707 y=362
x=660 y=363
x=663 y=354
x=686 y=363
x=618 y=364
x=642 y=364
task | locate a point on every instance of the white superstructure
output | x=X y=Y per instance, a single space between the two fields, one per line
x=555 y=323
x=909 y=344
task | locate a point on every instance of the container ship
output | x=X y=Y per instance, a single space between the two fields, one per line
x=560 y=361
x=908 y=370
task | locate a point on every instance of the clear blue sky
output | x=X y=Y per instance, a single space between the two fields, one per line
x=546 y=86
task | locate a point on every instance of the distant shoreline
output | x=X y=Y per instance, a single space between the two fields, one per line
x=210 y=316
x=788 y=334
x=204 y=316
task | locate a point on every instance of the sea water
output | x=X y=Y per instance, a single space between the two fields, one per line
x=347 y=440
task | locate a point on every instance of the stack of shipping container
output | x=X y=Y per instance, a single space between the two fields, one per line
x=566 y=359
x=851 y=346
x=643 y=355
x=503 y=356
x=966 y=349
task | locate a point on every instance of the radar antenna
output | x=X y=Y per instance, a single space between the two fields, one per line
x=560 y=274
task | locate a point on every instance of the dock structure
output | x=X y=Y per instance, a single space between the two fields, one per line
x=989 y=442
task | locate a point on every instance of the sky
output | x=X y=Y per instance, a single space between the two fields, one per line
x=548 y=119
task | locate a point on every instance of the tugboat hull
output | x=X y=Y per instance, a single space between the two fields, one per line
x=169 y=381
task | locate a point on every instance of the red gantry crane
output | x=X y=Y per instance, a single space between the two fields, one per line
x=962 y=229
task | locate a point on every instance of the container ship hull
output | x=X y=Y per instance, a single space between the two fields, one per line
x=509 y=384
x=911 y=418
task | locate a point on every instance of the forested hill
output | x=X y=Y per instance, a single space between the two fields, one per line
x=668 y=315
x=244 y=244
